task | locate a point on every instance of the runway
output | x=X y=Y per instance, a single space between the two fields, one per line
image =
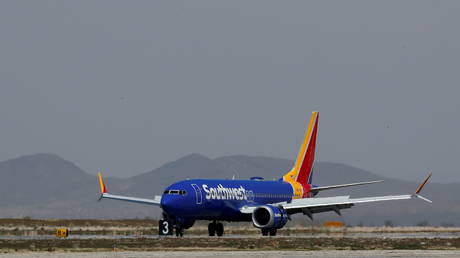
x=134 y=239
x=264 y=254
x=395 y=235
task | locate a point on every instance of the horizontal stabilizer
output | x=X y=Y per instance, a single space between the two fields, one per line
x=320 y=188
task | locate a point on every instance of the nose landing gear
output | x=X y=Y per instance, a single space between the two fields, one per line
x=215 y=228
x=170 y=225
x=179 y=231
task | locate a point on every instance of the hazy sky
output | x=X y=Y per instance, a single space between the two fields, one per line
x=127 y=86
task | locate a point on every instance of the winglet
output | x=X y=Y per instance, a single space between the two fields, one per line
x=103 y=189
x=420 y=187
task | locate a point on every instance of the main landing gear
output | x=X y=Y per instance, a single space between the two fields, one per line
x=215 y=228
x=268 y=231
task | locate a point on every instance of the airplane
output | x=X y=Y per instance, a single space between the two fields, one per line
x=268 y=204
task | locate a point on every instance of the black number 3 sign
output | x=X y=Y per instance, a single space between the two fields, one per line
x=165 y=228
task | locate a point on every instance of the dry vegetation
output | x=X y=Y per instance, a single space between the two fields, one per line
x=208 y=244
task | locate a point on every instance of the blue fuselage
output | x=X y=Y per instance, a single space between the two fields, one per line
x=202 y=199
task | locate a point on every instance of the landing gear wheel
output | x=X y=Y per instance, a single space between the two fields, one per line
x=220 y=229
x=264 y=232
x=212 y=228
x=179 y=232
x=273 y=232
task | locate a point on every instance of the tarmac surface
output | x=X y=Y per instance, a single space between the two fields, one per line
x=264 y=254
x=442 y=235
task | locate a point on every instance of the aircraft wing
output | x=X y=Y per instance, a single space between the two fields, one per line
x=320 y=188
x=105 y=194
x=309 y=206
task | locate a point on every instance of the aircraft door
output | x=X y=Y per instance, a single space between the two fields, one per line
x=199 y=197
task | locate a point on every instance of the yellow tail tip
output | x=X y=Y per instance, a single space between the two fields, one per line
x=103 y=189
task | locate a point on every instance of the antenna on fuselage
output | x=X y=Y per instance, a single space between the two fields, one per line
x=233 y=178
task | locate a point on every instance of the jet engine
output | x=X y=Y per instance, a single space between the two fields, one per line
x=269 y=216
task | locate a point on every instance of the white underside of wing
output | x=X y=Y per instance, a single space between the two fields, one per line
x=339 y=200
x=155 y=201
x=328 y=202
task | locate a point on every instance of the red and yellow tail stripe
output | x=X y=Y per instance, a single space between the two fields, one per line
x=299 y=176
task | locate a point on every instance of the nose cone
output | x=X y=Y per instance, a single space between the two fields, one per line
x=176 y=199
x=168 y=203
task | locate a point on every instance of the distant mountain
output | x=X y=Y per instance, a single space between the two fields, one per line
x=199 y=166
x=40 y=178
x=47 y=186
x=44 y=185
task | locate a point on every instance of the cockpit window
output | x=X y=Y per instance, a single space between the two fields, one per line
x=175 y=192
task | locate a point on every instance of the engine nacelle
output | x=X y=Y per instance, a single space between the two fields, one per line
x=269 y=216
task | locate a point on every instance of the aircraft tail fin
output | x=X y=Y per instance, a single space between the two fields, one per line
x=303 y=168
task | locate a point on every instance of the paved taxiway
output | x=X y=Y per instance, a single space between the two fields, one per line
x=415 y=235
x=264 y=254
